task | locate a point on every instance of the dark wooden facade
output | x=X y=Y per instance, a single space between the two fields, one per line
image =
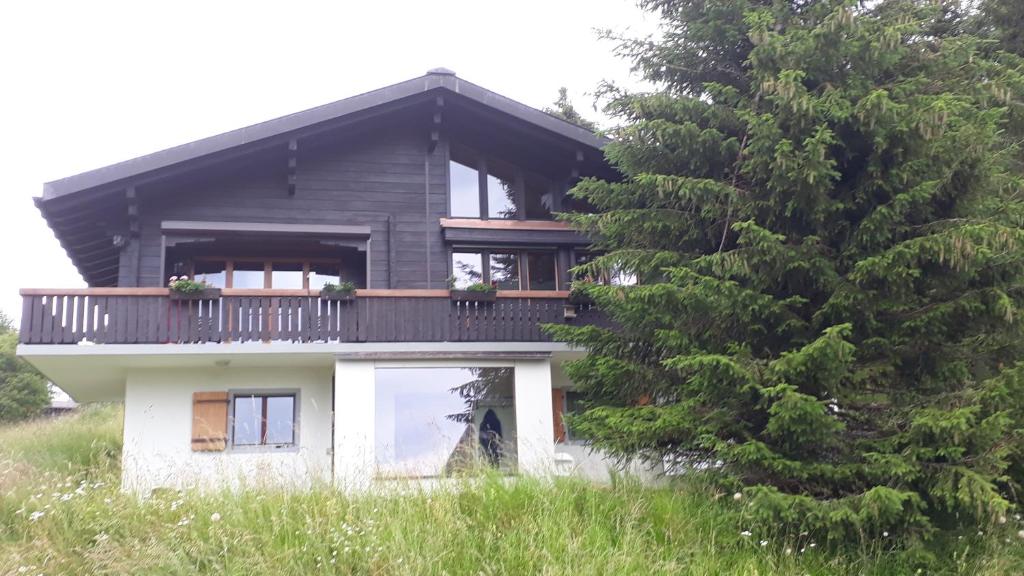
x=373 y=169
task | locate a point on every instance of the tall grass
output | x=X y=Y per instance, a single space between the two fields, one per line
x=62 y=513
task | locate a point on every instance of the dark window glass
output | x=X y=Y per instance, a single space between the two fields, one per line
x=263 y=420
x=213 y=273
x=539 y=198
x=542 y=272
x=440 y=421
x=501 y=191
x=286 y=275
x=464 y=187
x=504 y=271
x=467 y=268
x=247 y=275
x=321 y=273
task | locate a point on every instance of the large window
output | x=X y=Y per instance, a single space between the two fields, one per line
x=506 y=269
x=613 y=277
x=443 y=421
x=505 y=191
x=263 y=420
x=292 y=274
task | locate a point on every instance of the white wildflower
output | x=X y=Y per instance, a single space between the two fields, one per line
x=101 y=537
x=183 y=522
x=737 y=496
x=764 y=543
x=1002 y=519
x=215 y=517
x=39 y=514
x=789 y=551
x=1020 y=534
x=885 y=534
x=745 y=533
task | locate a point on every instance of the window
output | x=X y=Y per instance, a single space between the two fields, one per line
x=502 y=192
x=467 y=268
x=615 y=277
x=464 y=184
x=540 y=196
x=541 y=270
x=573 y=406
x=440 y=421
x=247 y=274
x=263 y=420
x=283 y=274
x=321 y=273
x=506 y=269
x=508 y=192
x=286 y=275
x=214 y=273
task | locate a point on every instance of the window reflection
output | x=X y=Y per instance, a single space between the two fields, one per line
x=441 y=421
x=464 y=187
x=502 y=197
x=540 y=196
x=542 y=270
x=263 y=420
x=504 y=271
x=467 y=268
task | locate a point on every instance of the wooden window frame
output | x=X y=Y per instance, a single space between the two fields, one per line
x=293 y=446
x=485 y=262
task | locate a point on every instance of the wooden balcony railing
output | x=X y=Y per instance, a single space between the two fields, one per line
x=150 y=316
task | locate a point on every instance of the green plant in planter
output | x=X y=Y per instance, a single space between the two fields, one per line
x=184 y=285
x=480 y=287
x=341 y=288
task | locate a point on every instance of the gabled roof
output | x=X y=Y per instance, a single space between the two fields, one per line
x=436 y=80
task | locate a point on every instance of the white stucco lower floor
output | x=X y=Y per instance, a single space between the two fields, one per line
x=335 y=415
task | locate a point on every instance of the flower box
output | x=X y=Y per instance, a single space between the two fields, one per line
x=474 y=296
x=204 y=294
x=337 y=295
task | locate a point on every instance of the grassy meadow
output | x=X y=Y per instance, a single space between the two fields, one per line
x=61 y=513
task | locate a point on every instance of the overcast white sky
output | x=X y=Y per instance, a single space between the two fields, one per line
x=86 y=84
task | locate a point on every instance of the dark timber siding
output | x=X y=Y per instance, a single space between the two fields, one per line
x=378 y=179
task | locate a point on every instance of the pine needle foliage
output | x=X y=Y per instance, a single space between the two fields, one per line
x=824 y=211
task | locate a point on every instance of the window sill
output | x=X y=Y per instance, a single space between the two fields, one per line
x=499 y=224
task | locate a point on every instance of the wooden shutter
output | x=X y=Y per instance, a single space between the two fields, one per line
x=557 y=409
x=209 y=421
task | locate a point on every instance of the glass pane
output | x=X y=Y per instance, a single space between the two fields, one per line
x=247 y=275
x=501 y=193
x=539 y=198
x=439 y=421
x=467 y=268
x=248 y=416
x=213 y=273
x=464 y=186
x=505 y=271
x=542 y=270
x=281 y=420
x=321 y=273
x=286 y=275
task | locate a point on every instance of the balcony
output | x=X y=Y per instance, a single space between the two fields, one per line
x=150 y=316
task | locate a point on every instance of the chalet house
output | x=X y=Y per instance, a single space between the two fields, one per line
x=267 y=375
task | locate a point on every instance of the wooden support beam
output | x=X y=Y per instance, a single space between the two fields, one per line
x=438 y=121
x=293 y=162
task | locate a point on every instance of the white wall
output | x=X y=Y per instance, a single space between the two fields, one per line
x=158 y=428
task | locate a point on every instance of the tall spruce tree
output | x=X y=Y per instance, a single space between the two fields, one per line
x=826 y=221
